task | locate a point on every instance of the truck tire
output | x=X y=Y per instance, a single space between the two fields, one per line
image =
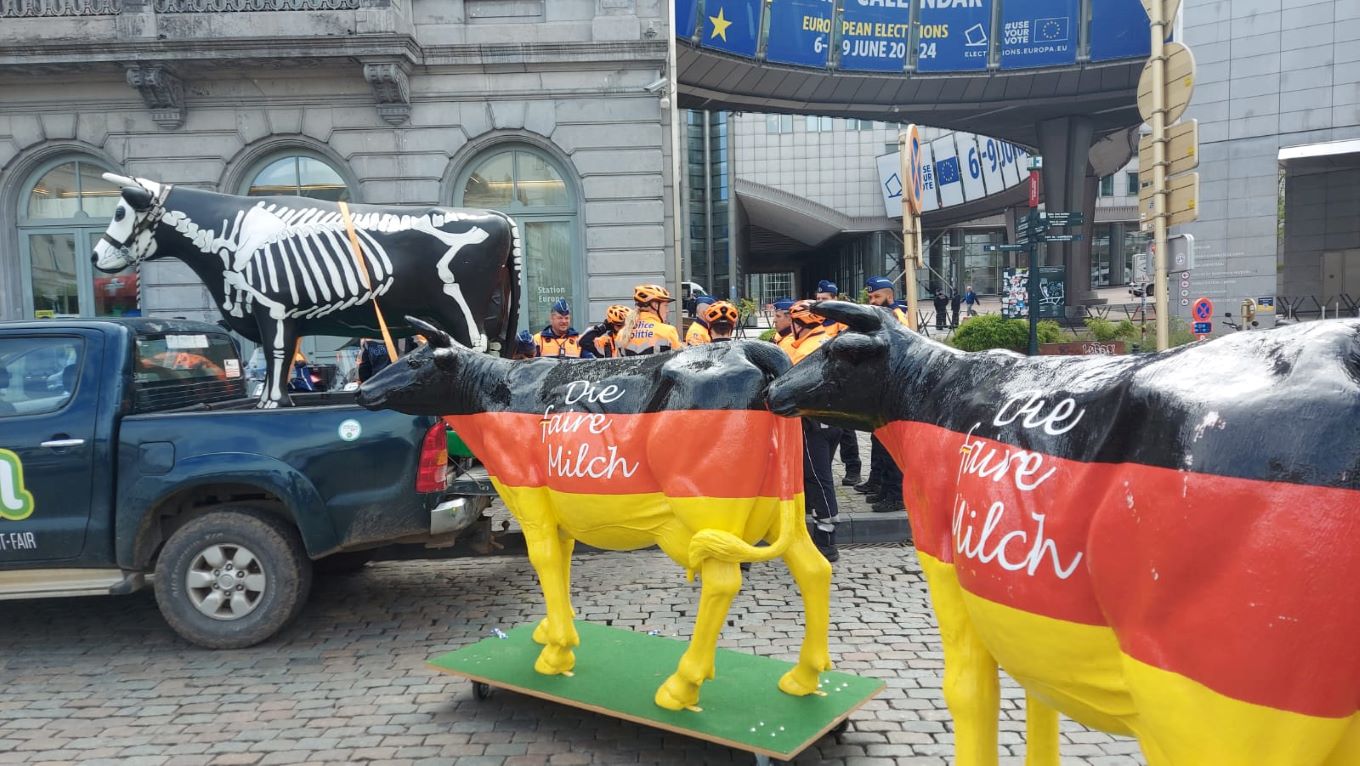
x=232 y=578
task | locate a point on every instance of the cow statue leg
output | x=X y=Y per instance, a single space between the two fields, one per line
x=278 y=336
x=812 y=573
x=547 y=554
x=1041 y=733
x=972 y=689
x=720 y=581
x=541 y=630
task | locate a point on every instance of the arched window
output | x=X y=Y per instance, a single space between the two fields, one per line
x=65 y=210
x=300 y=174
x=531 y=187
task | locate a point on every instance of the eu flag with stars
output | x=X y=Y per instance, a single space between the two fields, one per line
x=731 y=26
x=947 y=171
x=1052 y=30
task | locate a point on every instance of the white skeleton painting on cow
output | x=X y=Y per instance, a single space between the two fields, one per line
x=280 y=268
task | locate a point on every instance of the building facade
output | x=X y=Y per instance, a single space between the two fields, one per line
x=549 y=111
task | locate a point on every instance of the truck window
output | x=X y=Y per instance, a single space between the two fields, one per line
x=183 y=369
x=38 y=375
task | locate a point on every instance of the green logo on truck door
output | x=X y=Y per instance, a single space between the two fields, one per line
x=16 y=503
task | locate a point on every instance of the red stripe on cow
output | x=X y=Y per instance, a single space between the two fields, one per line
x=1208 y=576
x=682 y=453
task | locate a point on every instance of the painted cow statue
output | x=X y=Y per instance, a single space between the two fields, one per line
x=1162 y=546
x=283 y=267
x=674 y=450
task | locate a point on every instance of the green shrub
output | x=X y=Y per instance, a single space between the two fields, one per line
x=746 y=307
x=1106 y=331
x=992 y=331
x=768 y=334
x=1048 y=331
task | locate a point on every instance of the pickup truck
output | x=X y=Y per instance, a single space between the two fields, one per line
x=129 y=454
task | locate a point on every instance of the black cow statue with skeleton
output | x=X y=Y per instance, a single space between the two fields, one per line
x=280 y=268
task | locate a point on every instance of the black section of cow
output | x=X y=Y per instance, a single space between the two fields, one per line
x=1274 y=405
x=445 y=379
x=485 y=272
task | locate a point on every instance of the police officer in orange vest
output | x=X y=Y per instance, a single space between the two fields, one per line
x=722 y=320
x=781 y=318
x=600 y=341
x=698 y=333
x=884 y=486
x=646 y=332
x=819 y=486
x=559 y=338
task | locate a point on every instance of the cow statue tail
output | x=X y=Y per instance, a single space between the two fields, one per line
x=725 y=546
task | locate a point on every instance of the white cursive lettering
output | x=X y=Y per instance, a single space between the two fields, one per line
x=584 y=390
x=581 y=465
x=1029 y=405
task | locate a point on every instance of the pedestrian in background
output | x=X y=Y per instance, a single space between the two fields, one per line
x=970 y=299
x=954 y=301
x=941 y=301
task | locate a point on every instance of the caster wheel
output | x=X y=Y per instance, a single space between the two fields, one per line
x=480 y=690
x=765 y=760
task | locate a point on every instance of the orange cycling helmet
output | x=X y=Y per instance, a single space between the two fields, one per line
x=617 y=314
x=801 y=312
x=644 y=294
x=722 y=311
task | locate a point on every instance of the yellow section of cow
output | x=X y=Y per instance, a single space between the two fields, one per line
x=1080 y=671
x=710 y=535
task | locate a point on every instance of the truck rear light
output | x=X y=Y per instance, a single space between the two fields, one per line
x=433 y=473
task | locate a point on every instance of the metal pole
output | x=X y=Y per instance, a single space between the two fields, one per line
x=1032 y=289
x=711 y=282
x=1158 y=18
x=671 y=103
x=733 y=293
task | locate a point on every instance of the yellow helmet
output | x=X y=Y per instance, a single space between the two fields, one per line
x=722 y=311
x=644 y=294
x=802 y=313
x=617 y=314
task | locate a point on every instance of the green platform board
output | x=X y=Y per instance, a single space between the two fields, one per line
x=618 y=671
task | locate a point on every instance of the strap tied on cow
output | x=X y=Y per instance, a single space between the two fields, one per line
x=362 y=264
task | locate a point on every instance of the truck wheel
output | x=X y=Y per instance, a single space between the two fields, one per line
x=232 y=578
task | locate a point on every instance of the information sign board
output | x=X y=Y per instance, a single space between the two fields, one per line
x=1039 y=33
x=731 y=26
x=874 y=36
x=954 y=37
x=800 y=32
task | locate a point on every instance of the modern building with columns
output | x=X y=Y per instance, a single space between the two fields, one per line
x=540 y=109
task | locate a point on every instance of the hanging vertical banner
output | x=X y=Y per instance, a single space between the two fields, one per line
x=1010 y=171
x=874 y=35
x=1038 y=33
x=954 y=36
x=890 y=183
x=686 y=15
x=800 y=32
x=930 y=191
x=948 y=174
x=991 y=155
x=973 y=185
x=1119 y=30
x=732 y=26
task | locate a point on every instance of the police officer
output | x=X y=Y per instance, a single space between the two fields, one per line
x=884 y=485
x=828 y=291
x=600 y=341
x=722 y=320
x=781 y=319
x=646 y=332
x=559 y=338
x=698 y=333
x=819 y=488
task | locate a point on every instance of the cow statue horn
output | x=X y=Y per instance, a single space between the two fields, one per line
x=865 y=319
x=114 y=178
x=436 y=337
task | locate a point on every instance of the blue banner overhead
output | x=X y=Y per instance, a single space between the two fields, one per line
x=874 y=35
x=685 y=17
x=1119 y=30
x=800 y=32
x=954 y=35
x=1038 y=33
x=732 y=26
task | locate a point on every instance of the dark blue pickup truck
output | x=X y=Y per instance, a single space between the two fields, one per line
x=128 y=453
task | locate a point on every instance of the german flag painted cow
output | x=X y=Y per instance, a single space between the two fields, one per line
x=1163 y=546
x=623 y=454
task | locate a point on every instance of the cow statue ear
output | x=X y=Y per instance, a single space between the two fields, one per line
x=445 y=358
x=138 y=198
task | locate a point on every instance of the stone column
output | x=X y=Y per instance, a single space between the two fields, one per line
x=1065 y=143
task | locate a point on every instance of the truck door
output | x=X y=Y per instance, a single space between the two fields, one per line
x=49 y=396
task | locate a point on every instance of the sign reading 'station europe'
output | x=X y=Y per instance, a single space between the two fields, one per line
x=955 y=35
x=874 y=35
x=732 y=26
x=1038 y=33
x=800 y=32
x=1119 y=30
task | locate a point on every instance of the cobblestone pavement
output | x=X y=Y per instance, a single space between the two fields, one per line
x=104 y=679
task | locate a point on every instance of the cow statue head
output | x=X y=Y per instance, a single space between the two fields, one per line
x=420 y=382
x=130 y=238
x=851 y=379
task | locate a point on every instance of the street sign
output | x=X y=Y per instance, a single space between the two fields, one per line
x=1180 y=84
x=1203 y=328
x=914 y=191
x=1181 y=253
x=1182 y=201
x=1182 y=151
x=1058 y=238
x=1063 y=219
x=1142 y=268
x=1170 y=9
x=1203 y=310
x=1004 y=248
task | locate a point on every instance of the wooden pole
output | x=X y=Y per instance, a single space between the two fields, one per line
x=671 y=103
x=1158 y=18
x=911 y=230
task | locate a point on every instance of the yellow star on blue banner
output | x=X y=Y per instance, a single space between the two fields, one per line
x=720 y=25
